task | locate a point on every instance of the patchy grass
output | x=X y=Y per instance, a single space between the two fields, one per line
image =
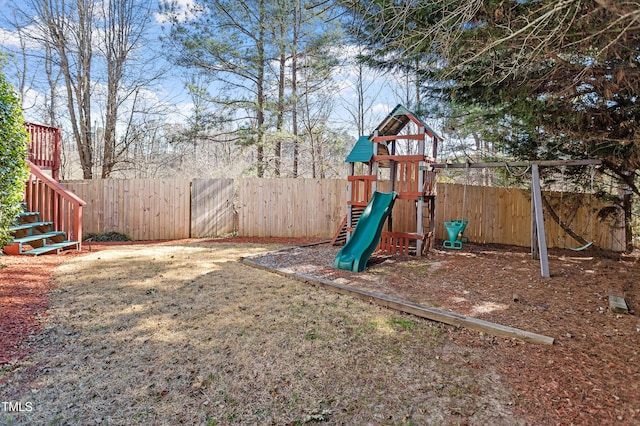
x=170 y=334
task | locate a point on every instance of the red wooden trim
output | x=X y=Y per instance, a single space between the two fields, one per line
x=55 y=186
x=409 y=195
x=361 y=187
x=409 y=235
x=416 y=122
x=357 y=203
x=55 y=171
x=396 y=242
x=395 y=137
x=44 y=147
x=362 y=177
x=54 y=202
x=399 y=158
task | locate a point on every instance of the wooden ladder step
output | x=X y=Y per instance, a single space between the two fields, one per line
x=27 y=214
x=32 y=236
x=340 y=237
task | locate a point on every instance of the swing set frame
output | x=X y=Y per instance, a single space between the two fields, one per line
x=538 y=237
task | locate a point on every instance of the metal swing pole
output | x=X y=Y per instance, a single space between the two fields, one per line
x=538 y=218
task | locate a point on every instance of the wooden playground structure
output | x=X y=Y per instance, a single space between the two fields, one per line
x=385 y=165
x=409 y=174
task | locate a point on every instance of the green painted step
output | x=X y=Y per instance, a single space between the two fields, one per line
x=38 y=237
x=24 y=214
x=29 y=225
x=57 y=247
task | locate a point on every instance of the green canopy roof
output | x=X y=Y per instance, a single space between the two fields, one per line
x=361 y=152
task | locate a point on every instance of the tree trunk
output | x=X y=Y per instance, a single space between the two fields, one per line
x=281 y=107
x=627 y=205
x=260 y=89
x=294 y=87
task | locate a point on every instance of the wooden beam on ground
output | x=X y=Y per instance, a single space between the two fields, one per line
x=541 y=163
x=433 y=314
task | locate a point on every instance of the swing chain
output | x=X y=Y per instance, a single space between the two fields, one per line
x=561 y=214
x=464 y=191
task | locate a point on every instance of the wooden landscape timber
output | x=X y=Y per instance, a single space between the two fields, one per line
x=421 y=311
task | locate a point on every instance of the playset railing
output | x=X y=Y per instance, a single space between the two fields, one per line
x=54 y=202
x=397 y=242
x=407 y=181
x=361 y=189
x=44 y=148
x=407 y=175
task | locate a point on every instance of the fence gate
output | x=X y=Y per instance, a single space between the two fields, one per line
x=212 y=210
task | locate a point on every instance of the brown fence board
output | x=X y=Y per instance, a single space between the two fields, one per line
x=143 y=209
x=503 y=216
x=290 y=207
x=177 y=208
x=212 y=211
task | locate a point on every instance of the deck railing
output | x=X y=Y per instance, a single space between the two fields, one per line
x=44 y=148
x=55 y=204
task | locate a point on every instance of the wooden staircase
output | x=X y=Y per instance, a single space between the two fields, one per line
x=51 y=220
x=31 y=236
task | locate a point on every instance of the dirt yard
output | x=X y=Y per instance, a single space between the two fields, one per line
x=182 y=333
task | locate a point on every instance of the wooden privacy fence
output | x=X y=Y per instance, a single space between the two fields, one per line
x=143 y=209
x=290 y=207
x=212 y=210
x=503 y=215
x=180 y=208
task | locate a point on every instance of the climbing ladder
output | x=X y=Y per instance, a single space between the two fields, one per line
x=340 y=238
x=428 y=220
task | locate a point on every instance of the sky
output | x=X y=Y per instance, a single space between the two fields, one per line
x=382 y=90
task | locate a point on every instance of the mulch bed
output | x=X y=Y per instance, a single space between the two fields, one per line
x=24 y=285
x=591 y=375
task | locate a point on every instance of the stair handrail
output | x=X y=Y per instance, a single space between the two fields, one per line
x=73 y=224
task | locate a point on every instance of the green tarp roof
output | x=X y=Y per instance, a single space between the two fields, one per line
x=361 y=152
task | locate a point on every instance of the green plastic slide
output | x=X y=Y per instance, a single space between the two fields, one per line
x=355 y=254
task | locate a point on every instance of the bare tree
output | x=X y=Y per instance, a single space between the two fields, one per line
x=90 y=47
x=367 y=85
x=66 y=29
x=124 y=26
